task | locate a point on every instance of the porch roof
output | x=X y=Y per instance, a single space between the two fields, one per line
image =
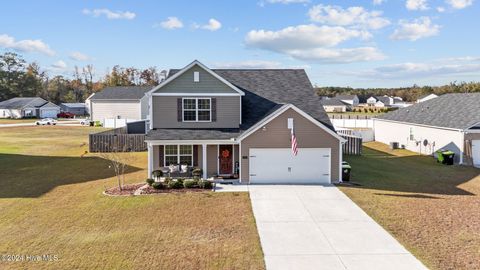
x=192 y=134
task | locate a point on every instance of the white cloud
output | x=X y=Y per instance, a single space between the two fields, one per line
x=59 y=65
x=170 y=23
x=314 y=43
x=439 y=67
x=79 y=56
x=249 y=64
x=378 y=2
x=459 y=4
x=111 y=15
x=213 y=25
x=26 y=45
x=357 y=17
x=416 y=4
x=441 y=9
x=416 y=29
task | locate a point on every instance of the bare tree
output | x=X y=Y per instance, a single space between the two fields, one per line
x=87 y=72
x=119 y=159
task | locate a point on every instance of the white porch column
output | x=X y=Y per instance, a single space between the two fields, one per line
x=150 y=159
x=204 y=160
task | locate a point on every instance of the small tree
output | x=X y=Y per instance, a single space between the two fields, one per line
x=119 y=159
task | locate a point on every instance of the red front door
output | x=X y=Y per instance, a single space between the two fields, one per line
x=225 y=159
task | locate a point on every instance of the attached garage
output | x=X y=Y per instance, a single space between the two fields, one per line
x=266 y=156
x=278 y=165
x=49 y=110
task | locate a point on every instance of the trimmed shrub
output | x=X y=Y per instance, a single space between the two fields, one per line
x=175 y=184
x=205 y=184
x=197 y=172
x=150 y=181
x=190 y=183
x=157 y=174
x=157 y=185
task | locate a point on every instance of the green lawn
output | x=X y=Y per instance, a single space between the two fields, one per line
x=51 y=202
x=16 y=121
x=432 y=209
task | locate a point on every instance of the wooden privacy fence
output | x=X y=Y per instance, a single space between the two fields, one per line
x=116 y=140
x=353 y=145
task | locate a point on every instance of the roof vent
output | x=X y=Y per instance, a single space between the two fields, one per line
x=196 y=76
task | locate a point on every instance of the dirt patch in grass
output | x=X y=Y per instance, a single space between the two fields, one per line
x=125 y=191
x=432 y=209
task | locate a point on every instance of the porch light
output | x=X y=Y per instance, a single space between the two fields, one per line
x=264 y=128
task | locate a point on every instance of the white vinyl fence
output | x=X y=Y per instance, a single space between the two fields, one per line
x=352 y=123
x=116 y=123
x=367 y=135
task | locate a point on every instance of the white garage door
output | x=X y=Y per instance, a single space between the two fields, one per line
x=48 y=113
x=279 y=166
x=476 y=152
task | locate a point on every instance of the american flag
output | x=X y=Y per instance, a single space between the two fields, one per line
x=294 y=144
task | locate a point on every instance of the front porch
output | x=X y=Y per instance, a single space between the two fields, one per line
x=216 y=159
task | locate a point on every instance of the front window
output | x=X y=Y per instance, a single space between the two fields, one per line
x=178 y=154
x=197 y=110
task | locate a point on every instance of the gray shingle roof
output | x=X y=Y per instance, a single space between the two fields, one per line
x=122 y=93
x=457 y=111
x=384 y=100
x=346 y=97
x=192 y=134
x=266 y=88
x=332 y=102
x=74 y=105
x=21 y=102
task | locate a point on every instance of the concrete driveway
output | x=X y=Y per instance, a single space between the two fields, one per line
x=318 y=227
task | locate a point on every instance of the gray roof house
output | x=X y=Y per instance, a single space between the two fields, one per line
x=75 y=108
x=351 y=100
x=231 y=122
x=115 y=106
x=333 y=105
x=21 y=107
x=451 y=121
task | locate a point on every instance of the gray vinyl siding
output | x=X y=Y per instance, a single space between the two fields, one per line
x=112 y=109
x=185 y=84
x=144 y=107
x=165 y=113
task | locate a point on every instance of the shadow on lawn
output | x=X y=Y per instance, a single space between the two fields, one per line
x=411 y=174
x=23 y=176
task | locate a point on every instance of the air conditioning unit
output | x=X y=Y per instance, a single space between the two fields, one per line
x=393 y=145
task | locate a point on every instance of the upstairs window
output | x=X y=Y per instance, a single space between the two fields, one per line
x=197 y=109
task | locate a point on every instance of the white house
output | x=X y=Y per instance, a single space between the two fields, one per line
x=426 y=97
x=115 y=106
x=351 y=100
x=21 y=107
x=333 y=105
x=450 y=122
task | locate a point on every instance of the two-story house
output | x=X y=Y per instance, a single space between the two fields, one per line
x=240 y=123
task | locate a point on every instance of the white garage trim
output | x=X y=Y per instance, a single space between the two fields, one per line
x=279 y=166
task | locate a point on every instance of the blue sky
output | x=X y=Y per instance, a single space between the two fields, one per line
x=370 y=43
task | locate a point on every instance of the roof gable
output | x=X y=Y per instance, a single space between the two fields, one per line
x=121 y=93
x=22 y=102
x=182 y=82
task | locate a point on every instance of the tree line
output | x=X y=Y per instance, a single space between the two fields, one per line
x=18 y=78
x=409 y=94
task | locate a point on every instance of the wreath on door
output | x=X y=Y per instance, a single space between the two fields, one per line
x=225 y=153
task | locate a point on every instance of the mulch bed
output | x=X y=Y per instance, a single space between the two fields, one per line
x=151 y=190
x=126 y=190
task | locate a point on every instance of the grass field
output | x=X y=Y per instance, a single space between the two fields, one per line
x=432 y=209
x=16 y=121
x=51 y=202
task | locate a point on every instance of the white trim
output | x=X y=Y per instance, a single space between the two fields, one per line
x=240 y=110
x=474 y=125
x=240 y=162
x=196 y=110
x=414 y=124
x=462 y=149
x=196 y=94
x=150 y=159
x=281 y=110
x=196 y=62
x=474 y=131
x=340 y=160
x=204 y=160
x=233 y=159
x=178 y=154
x=183 y=142
x=150 y=110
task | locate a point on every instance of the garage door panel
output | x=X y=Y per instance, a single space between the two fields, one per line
x=278 y=165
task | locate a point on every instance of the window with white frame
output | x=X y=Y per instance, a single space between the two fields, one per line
x=197 y=109
x=178 y=154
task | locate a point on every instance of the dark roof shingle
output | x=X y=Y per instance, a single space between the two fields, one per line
x=122 y=93
x=20 y=102
x=457 y=111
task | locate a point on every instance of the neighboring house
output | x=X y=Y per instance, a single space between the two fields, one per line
x=75 y=108
x=451 y=121
x=351 y=100
x=88 y=104
x=426 y=97
x=21 y=107
x=126 y=103
x=333 y=105
x=234 y=123
x=371 y=101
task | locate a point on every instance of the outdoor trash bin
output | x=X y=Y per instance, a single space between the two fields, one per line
x=346 y=169
x=445 y=157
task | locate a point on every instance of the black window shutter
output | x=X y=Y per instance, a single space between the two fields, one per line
x=195 y=155
x=161 y=156
x=214 y=110
x=179 y=109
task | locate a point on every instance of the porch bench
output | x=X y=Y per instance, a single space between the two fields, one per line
x=166 y=172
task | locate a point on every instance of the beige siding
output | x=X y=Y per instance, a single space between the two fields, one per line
x=212 y=160
x=277 y=135
x=165 y=113
x=156 y=158
x=112 y=109
x=185 y=84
